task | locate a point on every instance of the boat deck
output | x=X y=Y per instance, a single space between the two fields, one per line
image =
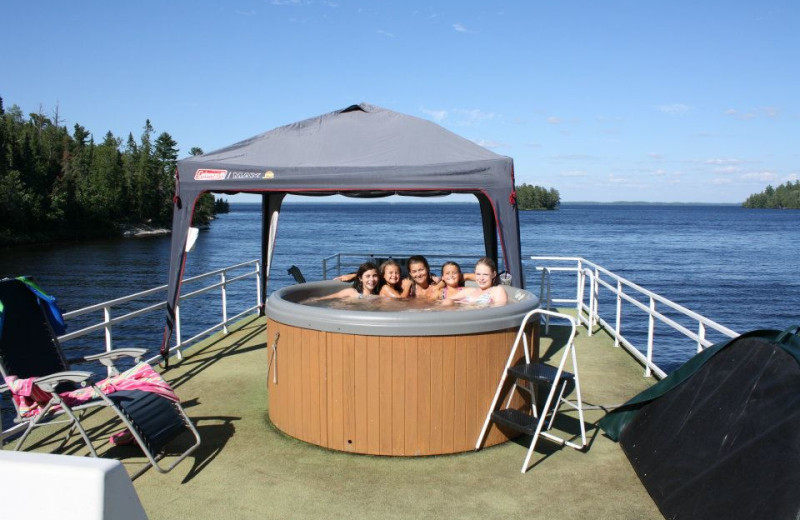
x=246 y=468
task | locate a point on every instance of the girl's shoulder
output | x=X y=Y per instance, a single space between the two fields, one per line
x=388 y=290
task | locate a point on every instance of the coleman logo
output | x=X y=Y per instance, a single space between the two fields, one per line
x=203 y=174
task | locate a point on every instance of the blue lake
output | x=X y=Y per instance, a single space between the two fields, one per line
x=738 y=267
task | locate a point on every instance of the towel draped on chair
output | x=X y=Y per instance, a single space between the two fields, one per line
x=32 y=400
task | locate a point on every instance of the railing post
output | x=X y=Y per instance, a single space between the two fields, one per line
x=178 y=332
x=258 y=283
x=224 y=303
x=579 y=296
x=579 y=289
x=324 y=268
x=546 y=293
x=596 y=298
x=701 y=336
x=619 y=314
x=651 y=330
x=109 y=340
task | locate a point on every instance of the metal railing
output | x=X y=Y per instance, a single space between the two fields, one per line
x=251 y=270
x=654 y=307
x=225 y=276
x=589 y=280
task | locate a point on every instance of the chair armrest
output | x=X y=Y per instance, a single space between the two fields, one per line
x=107 y=358
x=48 y=383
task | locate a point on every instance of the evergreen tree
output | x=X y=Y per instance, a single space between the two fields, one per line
x=785 y=196
x=537 y=197
x=166 y=158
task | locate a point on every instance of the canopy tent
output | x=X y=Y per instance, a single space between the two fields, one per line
x=360 y=151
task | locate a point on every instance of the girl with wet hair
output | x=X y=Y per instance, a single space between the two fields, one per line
x=364 y=284
x=422 y=283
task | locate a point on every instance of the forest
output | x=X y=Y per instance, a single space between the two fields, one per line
x=785 y=196
x=537 y=197
x=62 y=185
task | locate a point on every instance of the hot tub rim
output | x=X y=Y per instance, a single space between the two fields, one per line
x=283 y=310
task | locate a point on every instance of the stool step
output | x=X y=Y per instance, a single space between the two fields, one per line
x=537 y=373
x=515 y=420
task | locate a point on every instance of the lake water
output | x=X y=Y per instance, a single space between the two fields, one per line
x=738 y=267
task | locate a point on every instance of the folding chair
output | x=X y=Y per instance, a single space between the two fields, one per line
x=30 y=352
x=530 y=376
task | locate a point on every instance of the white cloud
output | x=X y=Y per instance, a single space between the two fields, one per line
x=616 y=179
x=721 y=161
x=553 y=120
x=385 y=33
x=473 y=116
x=459 y=28
x=436 y=115
x=488 y=144
x=759 y=176
x=768 y=112
x=674 y=109
x=573 y=173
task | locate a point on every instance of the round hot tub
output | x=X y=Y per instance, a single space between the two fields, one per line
x=400 y=382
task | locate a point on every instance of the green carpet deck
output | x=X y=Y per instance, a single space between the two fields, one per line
x=248 y=469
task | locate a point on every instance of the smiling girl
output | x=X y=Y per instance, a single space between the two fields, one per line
x=487 y=292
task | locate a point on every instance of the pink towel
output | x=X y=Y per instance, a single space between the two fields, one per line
x=31 y=399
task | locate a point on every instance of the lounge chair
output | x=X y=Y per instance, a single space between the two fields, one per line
x=46 y=391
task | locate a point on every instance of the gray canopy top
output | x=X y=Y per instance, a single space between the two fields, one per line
x=360 y=151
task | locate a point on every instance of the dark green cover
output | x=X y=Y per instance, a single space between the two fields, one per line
x=616 y=420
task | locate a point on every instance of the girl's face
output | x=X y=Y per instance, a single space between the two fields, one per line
x=451 y=275
x=369 y=280
x=419 y=273
x=391 y=274
x=484 y=276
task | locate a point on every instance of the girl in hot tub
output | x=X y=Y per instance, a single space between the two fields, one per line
x=422 y=283
x=452 y=281
x=487 y=293
x=393 y=285
x=365 y=284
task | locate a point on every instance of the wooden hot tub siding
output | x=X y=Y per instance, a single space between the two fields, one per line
x=405 y=396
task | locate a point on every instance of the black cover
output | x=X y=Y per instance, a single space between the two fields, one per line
x=725 y=442
x=28 y=346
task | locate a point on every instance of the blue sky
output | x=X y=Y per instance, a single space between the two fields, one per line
x=659 y=101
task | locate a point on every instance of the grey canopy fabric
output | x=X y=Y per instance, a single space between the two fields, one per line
x=360 y=151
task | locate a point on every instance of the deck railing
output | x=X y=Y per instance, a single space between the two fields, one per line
x=219 y=279
x=205 y=283
x=590 y=278
x=632 y=304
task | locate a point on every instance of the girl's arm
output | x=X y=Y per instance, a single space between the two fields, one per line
x=406 y=284
x=349 y=292
x=462 y=294
x=499 y=295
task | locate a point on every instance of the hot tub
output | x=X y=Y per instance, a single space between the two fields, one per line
x=388 y=383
